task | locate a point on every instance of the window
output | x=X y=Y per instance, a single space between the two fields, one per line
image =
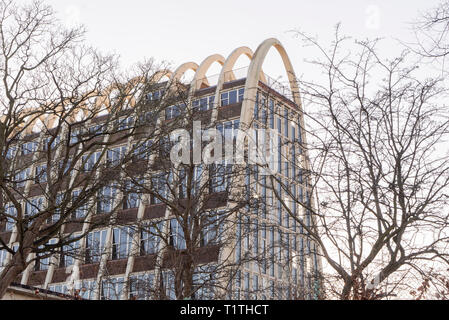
x=80 y=208
x=299 y=138
x=174 y=111
x=264 y=197
x=43 y=258
x=131 y=195
x=156 y=95
x=198 y=176
x=41 y=174
x=204 y=281
x=229 y=129
x=115 y=156
x=142 y=150
x=112 y=288
x=220 y=175
x=238 y=284
x=96 y=130
x=293 y=150
x=90 y=161
x=121 y=242
x=57 y=210
x=246 y=236
x=224 y=99
x=59 y=288
x=279 y=253
x=286 y=122
x=64 y=166
x=272 y=252
x=11 y=153
x=177 y=239
x=279 y=206
x=158 y=182
x=232 y=97
x=22 y=177
x=51 y=142
x=255 y=284
x=238 y=249
x=241 y=94
x=33 y=207
x=164 y=146
x=87 y=289
x=11 y=213
x=212 y=227
x=182 y=182
x=141 y=286
x=246 y=287
x=168 y=283
x=68 y=254
x=204 y=103
x=272 y=289
x=263 y=106
x=95 y=244
x=74 y=136
x=263 y=248
x=125 y=123
x=105 y=199
x=29 y=148
x=3 y=255
x=150 y=239
x=256 y=238
x=149 y=117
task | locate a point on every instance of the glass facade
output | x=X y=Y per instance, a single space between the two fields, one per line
x=267 y=230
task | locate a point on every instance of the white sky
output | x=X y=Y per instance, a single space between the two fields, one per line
x=179 y=31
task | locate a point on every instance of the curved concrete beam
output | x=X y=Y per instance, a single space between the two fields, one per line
x=227 y=74
x=254 y=73
x=182 y=69
x=200 y=76
x=32 y=123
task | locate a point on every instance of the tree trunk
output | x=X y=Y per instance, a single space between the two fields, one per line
x=10 y=273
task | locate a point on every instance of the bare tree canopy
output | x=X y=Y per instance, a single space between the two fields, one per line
x=64 y=107
x=378 y=135
x=357 y=207
x=432 y=32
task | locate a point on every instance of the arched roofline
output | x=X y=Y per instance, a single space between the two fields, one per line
x=182 y=69
x=253 y=77
x=200 y=75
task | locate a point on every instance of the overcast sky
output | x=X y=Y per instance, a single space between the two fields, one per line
x=179 y=31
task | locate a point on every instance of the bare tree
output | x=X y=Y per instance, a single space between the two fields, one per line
x=380 y=170
x=65 y=108
x=197 y=233
x=432 y=32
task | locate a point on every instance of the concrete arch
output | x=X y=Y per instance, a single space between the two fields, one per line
x=253 y=77
x=200 y=76
x=32 y=123
x=132 y=97
x=103 y=99
x=51 y=120
x=82 y=109
x=157 y=77
x=227 y=74
x=182 y=69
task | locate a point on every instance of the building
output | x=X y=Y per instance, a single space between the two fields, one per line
x=284 y=263
x=23 y=292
